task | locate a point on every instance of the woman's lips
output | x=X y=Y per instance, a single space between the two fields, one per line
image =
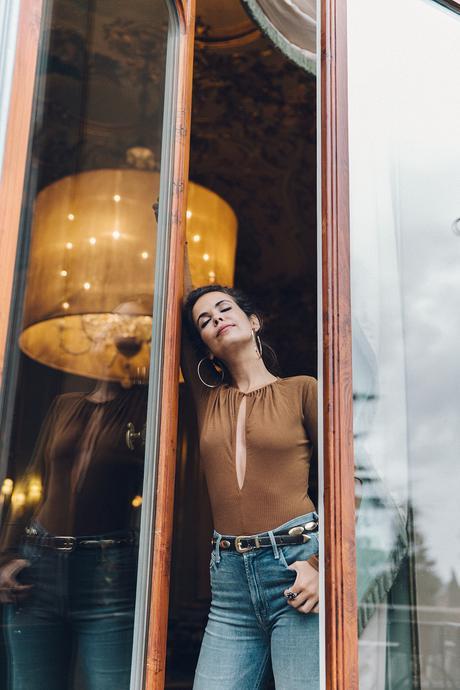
x=224 y=328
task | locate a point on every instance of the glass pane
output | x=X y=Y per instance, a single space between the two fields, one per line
x=405 y=258
x=75 y=394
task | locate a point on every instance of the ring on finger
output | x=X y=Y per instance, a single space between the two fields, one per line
x=290 y=596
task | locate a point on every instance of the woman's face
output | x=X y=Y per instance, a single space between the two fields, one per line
x=222 y=324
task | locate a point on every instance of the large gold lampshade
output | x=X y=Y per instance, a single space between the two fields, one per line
x=89 y=294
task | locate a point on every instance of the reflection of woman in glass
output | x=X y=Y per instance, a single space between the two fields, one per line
x=257 y=434
x=68 y=574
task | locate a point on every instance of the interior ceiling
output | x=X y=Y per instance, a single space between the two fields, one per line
x=224 y=24
x=253 y=137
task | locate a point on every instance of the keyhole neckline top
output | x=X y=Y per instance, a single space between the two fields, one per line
x=252 y=390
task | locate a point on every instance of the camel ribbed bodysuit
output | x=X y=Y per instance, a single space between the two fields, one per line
x=279 y=428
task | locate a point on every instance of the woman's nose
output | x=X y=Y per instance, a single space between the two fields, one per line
x=217 y=319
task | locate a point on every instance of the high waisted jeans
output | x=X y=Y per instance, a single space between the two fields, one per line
x=74 y=629
x=250 y=623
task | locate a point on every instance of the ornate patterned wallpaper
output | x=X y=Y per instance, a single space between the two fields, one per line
x=253 y=139
x=254 y=142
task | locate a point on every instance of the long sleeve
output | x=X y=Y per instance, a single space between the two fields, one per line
x=310 y=419
x=310 y=422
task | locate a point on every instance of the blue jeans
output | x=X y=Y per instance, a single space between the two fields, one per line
x=75 y=627
x=251 y=625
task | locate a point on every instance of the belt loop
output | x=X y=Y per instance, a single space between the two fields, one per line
x=217 y=548
x=276 y=553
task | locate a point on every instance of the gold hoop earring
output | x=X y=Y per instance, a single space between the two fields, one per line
x=209 y=385
x=257 y=343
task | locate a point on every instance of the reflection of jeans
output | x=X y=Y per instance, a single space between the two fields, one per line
x=250 y=622
x=75 y=628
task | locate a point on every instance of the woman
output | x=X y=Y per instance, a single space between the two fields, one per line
x=69 y=614
x=258 y=436
x=68 y=564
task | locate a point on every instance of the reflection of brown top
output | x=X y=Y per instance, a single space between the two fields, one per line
x=88 y=474
x=281 y=436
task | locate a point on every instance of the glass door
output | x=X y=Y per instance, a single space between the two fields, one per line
x=405 y=261
x=84 y=365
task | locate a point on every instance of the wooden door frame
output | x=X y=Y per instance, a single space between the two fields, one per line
x=341 y=630
x=166 y=462
x=340 y=564
x=16 y=149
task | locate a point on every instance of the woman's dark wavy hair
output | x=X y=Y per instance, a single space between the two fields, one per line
x=244 y=303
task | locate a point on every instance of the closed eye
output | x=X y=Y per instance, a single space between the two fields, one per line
x=206 y=321
x=206 y=318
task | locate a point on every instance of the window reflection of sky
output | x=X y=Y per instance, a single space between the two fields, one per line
x=413 y=117
x=429 y=202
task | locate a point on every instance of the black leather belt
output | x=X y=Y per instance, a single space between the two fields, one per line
x=65 y=543
x=243 y=543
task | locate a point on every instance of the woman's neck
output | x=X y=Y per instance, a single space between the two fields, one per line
x=249 y=373
x=104 y=391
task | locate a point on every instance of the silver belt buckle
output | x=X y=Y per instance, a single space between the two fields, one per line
x=68 y=545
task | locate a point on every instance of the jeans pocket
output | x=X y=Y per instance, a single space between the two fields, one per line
x=298 y=552
x=31 y=553
x=30 y=574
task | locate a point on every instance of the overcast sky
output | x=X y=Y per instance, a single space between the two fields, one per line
x=405 y=195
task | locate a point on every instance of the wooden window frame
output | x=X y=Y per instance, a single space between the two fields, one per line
x=340 y=563
x=15 y=155
x=341 y=630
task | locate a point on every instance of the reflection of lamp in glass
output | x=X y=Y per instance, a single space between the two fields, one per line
x=93 y=250
x=7 y=487
x=18 y=499
x=34 y=492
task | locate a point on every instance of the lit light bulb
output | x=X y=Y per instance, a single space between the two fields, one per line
x=136 y=502
x=70 y=216
x=116 y=198
x=145 y=255
x=196 y=238
x=18 y=498
x=212 y=276
x=116 y=235
x=189 y=214
x=92 y=240
x=68 y=245
x=205 y=257
x=87 y=286
x=7 y=487
x=65 y=305
x=35 y=490
x=63 y=273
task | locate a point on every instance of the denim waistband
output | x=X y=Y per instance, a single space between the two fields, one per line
x=300 y=519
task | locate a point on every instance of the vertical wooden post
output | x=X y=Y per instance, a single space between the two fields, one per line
x=16 y=145
x=339 y=519
x=159 y=596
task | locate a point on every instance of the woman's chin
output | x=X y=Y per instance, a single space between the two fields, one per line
x=230 y=344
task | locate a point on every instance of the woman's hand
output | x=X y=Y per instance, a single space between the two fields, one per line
x=306 y=586
x=10 y=589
